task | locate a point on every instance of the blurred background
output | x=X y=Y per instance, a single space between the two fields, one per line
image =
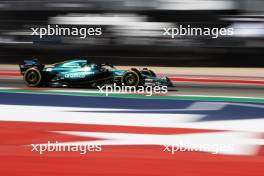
x=133 y=32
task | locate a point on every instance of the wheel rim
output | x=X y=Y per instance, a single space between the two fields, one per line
x=131 y=79
x=32 y=77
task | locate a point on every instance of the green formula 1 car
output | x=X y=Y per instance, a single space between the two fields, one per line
x=81 y=73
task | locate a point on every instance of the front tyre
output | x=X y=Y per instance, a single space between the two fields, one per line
x=33 y=77
x=131 y=78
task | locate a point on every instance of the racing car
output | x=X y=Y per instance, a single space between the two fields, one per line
x=82 y=73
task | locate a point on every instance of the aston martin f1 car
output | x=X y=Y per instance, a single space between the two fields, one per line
x=82 y=73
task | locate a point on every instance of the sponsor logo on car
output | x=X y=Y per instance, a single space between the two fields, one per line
x=75 y=75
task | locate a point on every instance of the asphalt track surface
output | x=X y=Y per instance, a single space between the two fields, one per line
x=181 y=88
x=133 y=132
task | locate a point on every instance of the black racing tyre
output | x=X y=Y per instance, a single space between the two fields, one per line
x=32 y=77
x=131 y=78
x=141 y=80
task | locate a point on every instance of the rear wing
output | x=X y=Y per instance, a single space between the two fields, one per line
x=29 y=64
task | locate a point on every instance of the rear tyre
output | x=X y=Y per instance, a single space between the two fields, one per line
x=33 y=77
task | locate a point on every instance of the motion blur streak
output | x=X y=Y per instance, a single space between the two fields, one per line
x=131 y=142
x=211 y=106
x=132 y=32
